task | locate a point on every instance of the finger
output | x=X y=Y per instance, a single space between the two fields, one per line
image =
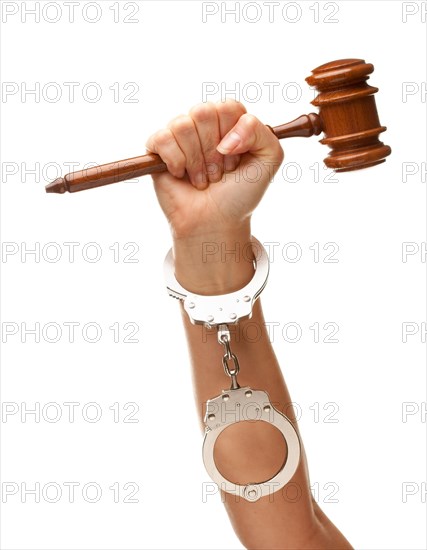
x=164 y=144
x=185 y=133
x=206 y=120
x=229 y=113
x=250 y=135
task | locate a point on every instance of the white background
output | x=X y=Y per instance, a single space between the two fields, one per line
x=368 y=455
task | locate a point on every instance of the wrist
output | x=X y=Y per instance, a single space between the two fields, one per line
x=216 y=262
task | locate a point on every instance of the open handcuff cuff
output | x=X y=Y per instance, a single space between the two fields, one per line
x=236 y=404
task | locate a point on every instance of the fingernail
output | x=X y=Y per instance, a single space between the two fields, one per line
x=200 y=179
x=228 y=143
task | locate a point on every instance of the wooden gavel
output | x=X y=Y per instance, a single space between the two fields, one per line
x=347 y=116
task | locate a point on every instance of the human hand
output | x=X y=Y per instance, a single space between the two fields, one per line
x=220 y=161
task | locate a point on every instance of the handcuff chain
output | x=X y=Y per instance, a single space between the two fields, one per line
x=224 y=339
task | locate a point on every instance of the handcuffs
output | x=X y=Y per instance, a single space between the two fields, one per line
x=236 y=404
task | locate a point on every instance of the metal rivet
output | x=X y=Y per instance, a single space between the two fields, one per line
x=225 y=397
x=248 y=393
x=211 y=417
x=237 y=404
x=251 y=493
x=233 y=316
x=267 y=408
x=246 y=298
x=210 y=318
x=220 y=308
x=191 y=305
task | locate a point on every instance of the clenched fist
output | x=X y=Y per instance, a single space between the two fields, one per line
x=220 y=160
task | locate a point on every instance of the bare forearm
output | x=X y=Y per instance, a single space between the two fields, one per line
x=251 y=451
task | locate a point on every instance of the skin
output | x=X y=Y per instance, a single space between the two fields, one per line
x=220 y=162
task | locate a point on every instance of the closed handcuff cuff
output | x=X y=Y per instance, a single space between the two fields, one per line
x=236 y=404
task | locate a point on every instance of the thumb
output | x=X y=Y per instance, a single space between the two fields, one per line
x=250 y=135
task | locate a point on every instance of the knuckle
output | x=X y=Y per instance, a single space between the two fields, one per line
x=241 y=107
x=280 y=154
x=182 y=125
x=276 y=148
x=249 y=121
x=203 y=112
x=149 y=139
x=231 y=107
x=162 y=137
x=172 y=120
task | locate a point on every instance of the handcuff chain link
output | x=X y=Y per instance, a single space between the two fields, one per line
x=224 y=339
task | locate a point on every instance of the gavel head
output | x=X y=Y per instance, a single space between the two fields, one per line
x=348 y=114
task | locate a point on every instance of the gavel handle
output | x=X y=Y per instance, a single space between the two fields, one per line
x=304 y=126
